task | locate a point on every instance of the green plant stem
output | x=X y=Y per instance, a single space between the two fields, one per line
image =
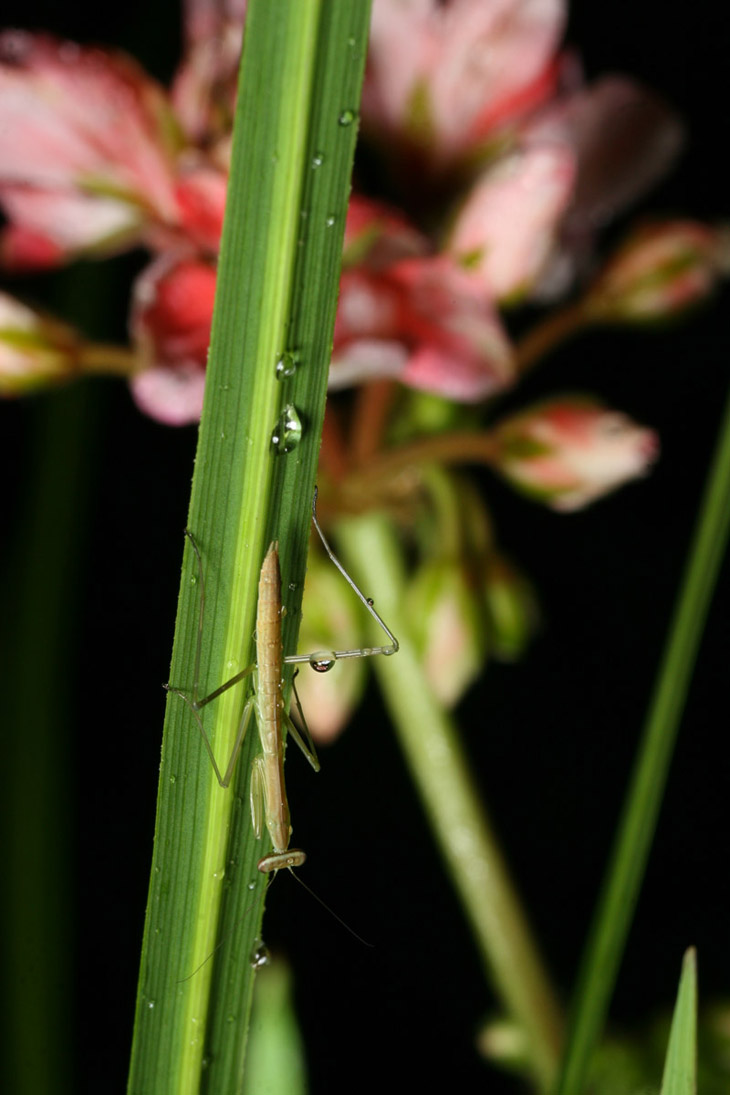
x=606 y=941
x=435 y=756
x=105 y=359
x=278 y=273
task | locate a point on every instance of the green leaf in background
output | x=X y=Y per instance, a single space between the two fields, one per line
x=275 y=1059
x=680 y=1066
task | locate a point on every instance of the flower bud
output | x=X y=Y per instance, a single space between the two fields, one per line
x=660 y=271
x=568 y=452
x=503 y=1041
x=34 y=350
x=448 y=627
x=511 y=609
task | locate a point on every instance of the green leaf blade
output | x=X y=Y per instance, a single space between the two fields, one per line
x=276 y=289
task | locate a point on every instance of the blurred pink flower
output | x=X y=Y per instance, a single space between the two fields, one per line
x=529 y=219
x=95 y=156
x=660 y=271
x=171 y=316
x=445 y=76
x=86 y=148
x=568 y=452
x=424 y=322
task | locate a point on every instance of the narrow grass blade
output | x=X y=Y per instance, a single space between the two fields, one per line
x=277 y=283
x=615 y=909
x=680 y=1066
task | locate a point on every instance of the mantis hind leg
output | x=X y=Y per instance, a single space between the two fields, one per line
x=225 y=779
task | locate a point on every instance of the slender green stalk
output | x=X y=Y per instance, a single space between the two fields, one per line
x=615 y=909
x=440 y=769
x=294 y=139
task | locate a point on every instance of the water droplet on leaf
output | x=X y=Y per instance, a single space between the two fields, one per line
x=287 y=364
x=288 y=430
x=260 y=956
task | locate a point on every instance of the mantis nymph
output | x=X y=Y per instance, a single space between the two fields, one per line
x=267 y=788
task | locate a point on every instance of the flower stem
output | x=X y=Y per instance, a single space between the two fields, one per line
x=104 y=359
x=543 y=338
x=377 y=479
x=435 y=756
x=374 y=402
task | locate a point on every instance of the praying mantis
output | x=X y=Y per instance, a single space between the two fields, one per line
x=267 y=785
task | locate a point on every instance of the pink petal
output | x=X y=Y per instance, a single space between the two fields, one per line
x=369 y=306
x=366 y=359
x=172 y=311
x=27 y=249
x=201 y=200
x=624 y=138
x=470 y=65
x=426 y=322
x=507 y=227
x=173 y=395
x=71 y=221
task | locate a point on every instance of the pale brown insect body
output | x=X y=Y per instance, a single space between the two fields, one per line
x=267 y=776
x=268 y=789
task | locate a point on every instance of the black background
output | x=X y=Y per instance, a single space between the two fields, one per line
x=551 y=739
